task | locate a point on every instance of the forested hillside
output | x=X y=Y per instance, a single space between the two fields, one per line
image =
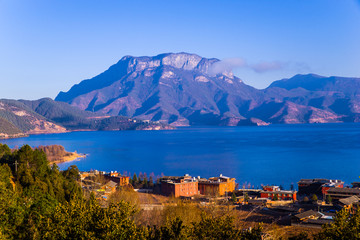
x=40 y=202
x=21 y=117
x=37 y=201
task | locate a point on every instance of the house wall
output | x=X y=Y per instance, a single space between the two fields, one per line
x=218 y=188
x=122 y=181
x=283 y=196
x=184 y=189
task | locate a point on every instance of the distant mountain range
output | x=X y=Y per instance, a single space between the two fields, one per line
x=186 y=89
x=19 y=118
x=181 y=89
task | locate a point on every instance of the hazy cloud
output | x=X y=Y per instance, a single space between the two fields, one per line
x=267 y=66
x=230 y=64
x=227 y=65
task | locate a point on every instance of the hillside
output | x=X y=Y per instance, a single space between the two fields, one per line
x=18 y=119
x=8 y=130
x=186 y=89
x=21 y=117
x=73 y=118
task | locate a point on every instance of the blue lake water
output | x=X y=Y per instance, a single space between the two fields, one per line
x=277 y=154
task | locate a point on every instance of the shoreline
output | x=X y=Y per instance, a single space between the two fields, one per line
x=72 y=157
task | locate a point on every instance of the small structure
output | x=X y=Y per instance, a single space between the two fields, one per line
x=318 y=186
x=109 y=187
x=258 y=201
x=117 y=178
x=311 y=214
x=217 y=186
x=184 y=186
x=349 y=202
x=274 y=193
x=339 y=193
x=311 y=219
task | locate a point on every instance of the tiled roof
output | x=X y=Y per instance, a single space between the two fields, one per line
x=349 y=200
x=308 y=214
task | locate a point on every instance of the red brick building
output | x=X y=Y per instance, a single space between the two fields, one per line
x=179 y=186
x=118 y=178
x=217 y=186
x=273 y=192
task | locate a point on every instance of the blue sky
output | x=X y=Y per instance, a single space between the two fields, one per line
x=47 y=45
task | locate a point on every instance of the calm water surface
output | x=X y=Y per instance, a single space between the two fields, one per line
x=278 y=154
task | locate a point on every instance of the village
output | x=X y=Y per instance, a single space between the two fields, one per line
x=314 y=204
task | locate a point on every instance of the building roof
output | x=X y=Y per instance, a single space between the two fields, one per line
x=278 y=192
x=319 y=221
x=111 y=184
x=319 y=180
x=350 y=200
x=308 y=214
x=354 y=191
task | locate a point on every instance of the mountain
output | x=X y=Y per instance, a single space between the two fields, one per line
x=16 y=119
x=180 y=89
x=186 y=89
x=22 y=117
x=73 y=118
x=336 y=95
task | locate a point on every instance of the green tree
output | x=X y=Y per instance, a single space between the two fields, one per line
x=314 y=198
x=151 y=182
x=246 y=197
x=276 y=197
x=135 y=179
x=233 y=197
x=328 y=199
x=345 y=226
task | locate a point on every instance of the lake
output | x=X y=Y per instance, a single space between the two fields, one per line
x=276 y=154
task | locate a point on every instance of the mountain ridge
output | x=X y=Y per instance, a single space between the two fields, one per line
x=187 y=89
x=20 y=118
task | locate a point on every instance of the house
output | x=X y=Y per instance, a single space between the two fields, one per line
x=258 y=201
x=349 y=202
x=118 y=178
x=318 y=186
x=311 y=219
x=110 y=187
x=271 y=188
x=217 y=186
x=274 y=192
x=339 y=193
x=279 y=195
x=184 y=186
x=332 y=184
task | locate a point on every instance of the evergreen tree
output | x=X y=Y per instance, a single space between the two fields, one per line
x=328 y=199
x=151 y=182
x=134 y=179
x=276 y=197
x=314 y=198
x=233 y=197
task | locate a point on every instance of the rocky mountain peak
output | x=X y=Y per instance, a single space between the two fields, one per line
x=182 y=61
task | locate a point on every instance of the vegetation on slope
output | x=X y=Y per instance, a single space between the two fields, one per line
x=8 y=128
x=76 y=119
x=57 y=153
x=40 y=202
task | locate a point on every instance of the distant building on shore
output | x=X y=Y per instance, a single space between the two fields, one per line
x=117 y=178
x=184 y=186
x=318 y=186
x=340 y=193
x=275 y=193
x=217 y=186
